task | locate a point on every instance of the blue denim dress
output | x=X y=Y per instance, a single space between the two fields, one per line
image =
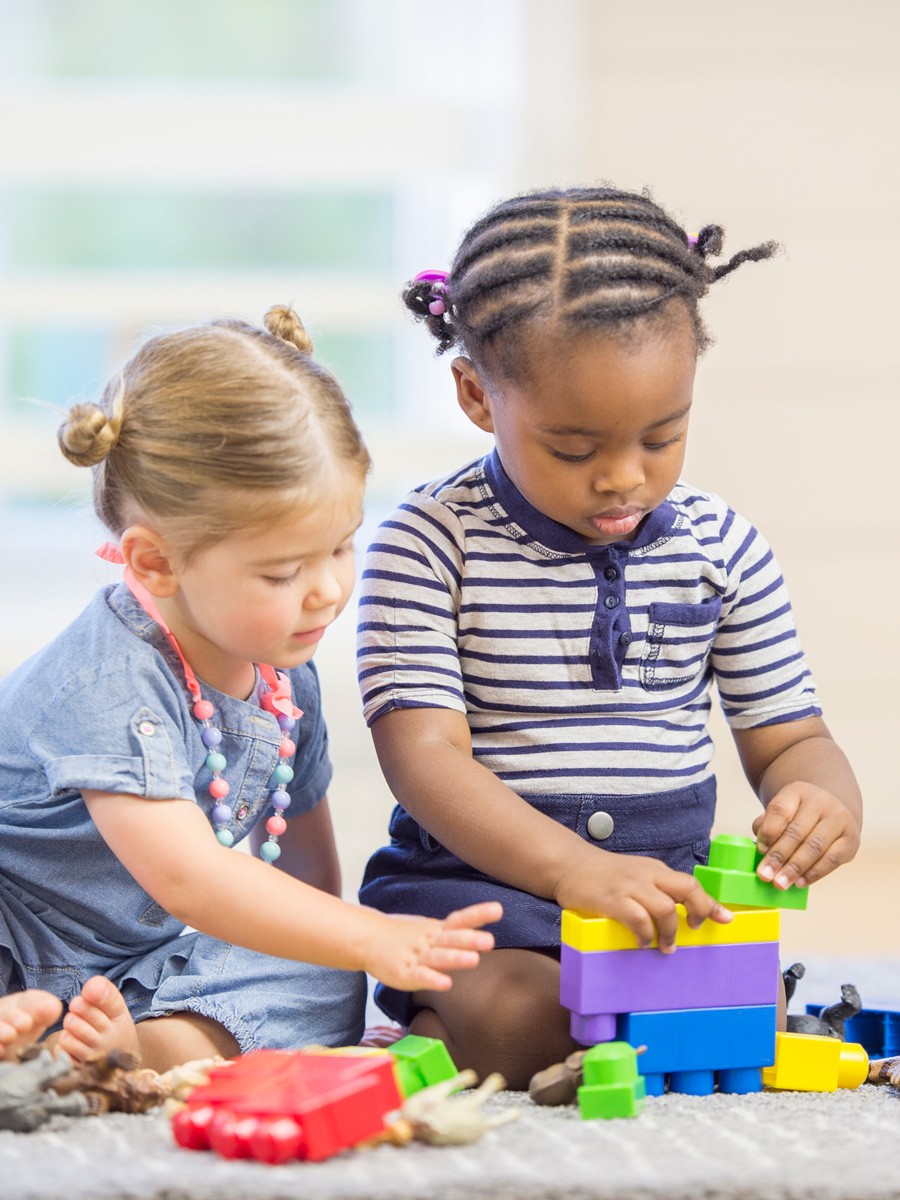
x=105 y=707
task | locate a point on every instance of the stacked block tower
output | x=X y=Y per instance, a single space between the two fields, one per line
x=707 y=1013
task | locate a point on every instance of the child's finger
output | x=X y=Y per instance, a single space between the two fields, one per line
x=777 y=819
x=839 y=852
x=475 y=915
x=445 y=958
x=774 y=866
x=635 y=917
x=665 y=917
x=465 y=939
x=422 y=979
x=699 y=906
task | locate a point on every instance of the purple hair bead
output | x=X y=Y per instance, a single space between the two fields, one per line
x=210 y=736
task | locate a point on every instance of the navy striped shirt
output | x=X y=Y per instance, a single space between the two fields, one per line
x=579 y=668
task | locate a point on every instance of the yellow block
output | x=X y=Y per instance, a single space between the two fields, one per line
x=584 y=932
x=805 y=1062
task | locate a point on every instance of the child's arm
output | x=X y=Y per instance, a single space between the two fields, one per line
x=308 y=849
x=426 y=757
x=813 y=804
x=171 y=851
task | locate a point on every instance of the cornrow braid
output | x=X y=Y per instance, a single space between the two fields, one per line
x=583 y=258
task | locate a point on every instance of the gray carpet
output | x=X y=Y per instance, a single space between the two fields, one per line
x=781 y=1146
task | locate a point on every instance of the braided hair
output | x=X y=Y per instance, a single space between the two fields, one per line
x=586 y=258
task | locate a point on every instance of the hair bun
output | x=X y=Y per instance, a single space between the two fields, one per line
x=711 y=240
x=88 y=434
x=283 y=322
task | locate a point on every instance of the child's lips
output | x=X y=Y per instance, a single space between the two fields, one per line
x=620 y=521
x=310 y=635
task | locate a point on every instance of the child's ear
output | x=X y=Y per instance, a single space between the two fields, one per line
x=150 y=558
x=470 y=394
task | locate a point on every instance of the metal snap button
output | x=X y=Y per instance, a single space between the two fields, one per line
x=147 y=728
x=611 y=601
x=242 y=812
x=600 y=825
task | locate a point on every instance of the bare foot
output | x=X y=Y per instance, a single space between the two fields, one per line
x=97 y=1022
x=23 y=1018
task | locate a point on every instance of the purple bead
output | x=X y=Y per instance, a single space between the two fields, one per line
x=210 y=735
x=285 y=722
x=280 y=800
x=221 y=814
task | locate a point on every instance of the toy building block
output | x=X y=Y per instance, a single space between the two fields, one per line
x=876 y=1028
x=420 y=1062
x=808 y=1063
x=612 y=1086
x=693 y=1046
x=731 y=876
x=582 y=931
x=598 y=985
x=275 y=1105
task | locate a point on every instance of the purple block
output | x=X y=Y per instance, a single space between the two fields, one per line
x=598 y=982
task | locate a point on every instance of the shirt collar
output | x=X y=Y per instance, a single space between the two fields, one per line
x=657 y=526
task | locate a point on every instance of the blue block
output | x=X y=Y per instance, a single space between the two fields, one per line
x=877 y=1029
x=701 y=1039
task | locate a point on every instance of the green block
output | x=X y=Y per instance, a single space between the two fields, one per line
x=421 y=1062
x=607 y=1100
x=610 y=1063
x=731 y=877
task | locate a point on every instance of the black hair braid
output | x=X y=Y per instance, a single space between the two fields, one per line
x=417 y=296
x=583 y=258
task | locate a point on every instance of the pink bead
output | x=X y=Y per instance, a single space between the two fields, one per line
x=203 y=710
x=436 y=307
x=276 y=826
x=287 y=748
x=219 y=789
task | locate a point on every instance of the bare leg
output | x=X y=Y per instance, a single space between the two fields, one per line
x=24 y=1016
x=504 y=1016
x=98 y=1021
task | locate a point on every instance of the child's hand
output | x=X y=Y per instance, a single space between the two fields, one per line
x=804 y=834
x=639 y=892
x=412 y=953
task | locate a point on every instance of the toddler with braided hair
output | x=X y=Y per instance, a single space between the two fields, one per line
x=539 y=631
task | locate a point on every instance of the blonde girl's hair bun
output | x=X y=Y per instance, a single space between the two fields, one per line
x=283 y=322
x=88 y=434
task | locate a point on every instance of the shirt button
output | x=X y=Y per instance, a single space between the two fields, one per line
x=600 y=825
x=625 y=639
x=611 y=573
x=611 y=601
x=242 y=812
x=147 y=728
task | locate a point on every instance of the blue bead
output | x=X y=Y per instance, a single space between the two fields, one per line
x=280 y=800
x=285 y=722
x=210 y=735
x=216 y=761
x=221 y=814
x=283 y=773
x=269 y=851
x=225 y=836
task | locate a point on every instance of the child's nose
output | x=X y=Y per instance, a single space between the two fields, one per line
x=325 y=589
x=619 y=475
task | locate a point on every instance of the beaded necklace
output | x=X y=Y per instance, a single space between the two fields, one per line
x=277 y=700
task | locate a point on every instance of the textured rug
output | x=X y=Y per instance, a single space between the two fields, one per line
x=779 y=1145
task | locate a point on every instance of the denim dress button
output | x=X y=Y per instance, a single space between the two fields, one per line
x=242 y=812
x=600 y=825
x=611 y=601
x=147 y=728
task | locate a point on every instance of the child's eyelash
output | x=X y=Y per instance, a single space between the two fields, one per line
x=577 y=458
x=281 y=580
x=662 y=445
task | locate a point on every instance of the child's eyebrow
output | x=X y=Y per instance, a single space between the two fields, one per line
x=562 y=430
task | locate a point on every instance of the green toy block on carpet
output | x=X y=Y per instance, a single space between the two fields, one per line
x=421 y=1061
x=612 y=1086
x=731 y=876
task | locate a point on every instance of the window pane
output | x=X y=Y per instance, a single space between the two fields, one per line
x=169 y=229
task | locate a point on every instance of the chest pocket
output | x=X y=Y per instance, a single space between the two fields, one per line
x=679 y=637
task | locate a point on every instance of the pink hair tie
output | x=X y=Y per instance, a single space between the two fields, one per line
x=693 y=239
x=438 y=280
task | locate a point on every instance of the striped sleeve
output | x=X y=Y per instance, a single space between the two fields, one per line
x=409 y=599
x=760 y=668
